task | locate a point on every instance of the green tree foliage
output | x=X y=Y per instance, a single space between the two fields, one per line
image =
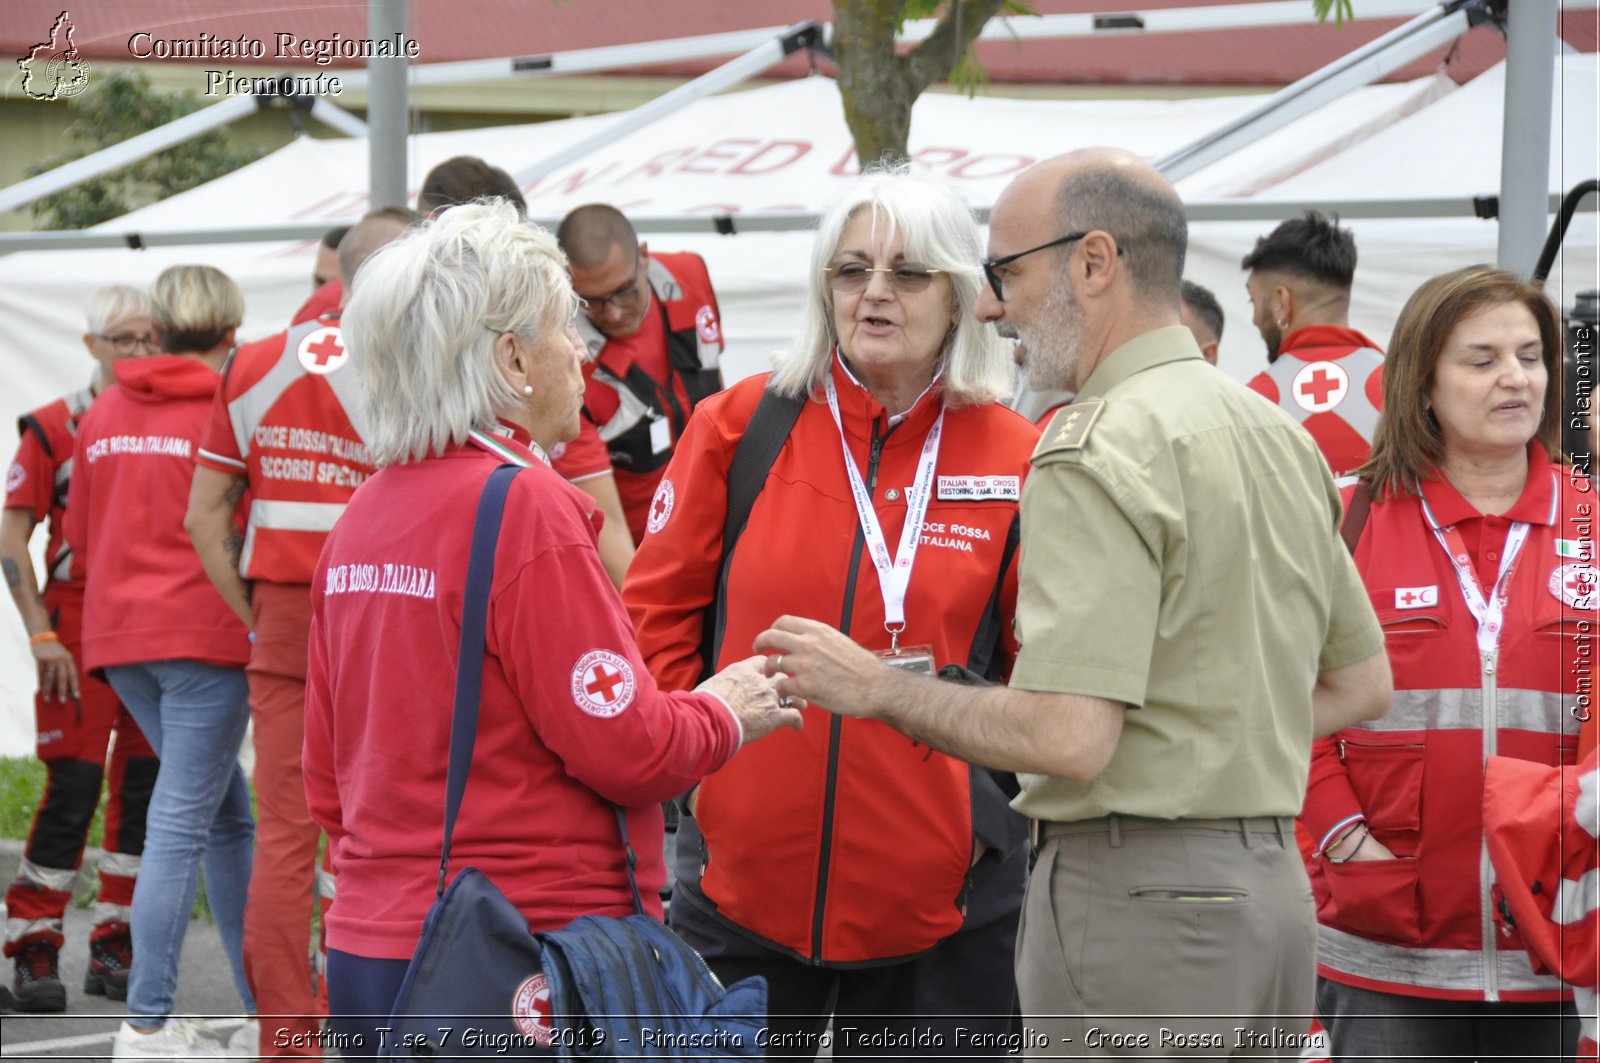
x=117 y=106
x=879 y=85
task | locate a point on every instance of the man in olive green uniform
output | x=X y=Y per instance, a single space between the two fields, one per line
x=1189 y=620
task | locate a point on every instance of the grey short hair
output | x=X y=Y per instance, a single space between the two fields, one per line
x=113 y=303
x=1144 y=215
x=940 y=232
x=423 y=322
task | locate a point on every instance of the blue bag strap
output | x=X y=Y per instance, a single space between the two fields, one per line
x=469 y=664
x=469 y=672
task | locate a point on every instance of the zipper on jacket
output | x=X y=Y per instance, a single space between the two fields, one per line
x=1491 y=744
x=836 y=723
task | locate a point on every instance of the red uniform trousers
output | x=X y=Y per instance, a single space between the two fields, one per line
x=277 y=915
x=72 y=741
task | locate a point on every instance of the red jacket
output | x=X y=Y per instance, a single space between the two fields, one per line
x=657 y=374
x=846 y=841
x=1542 y=824
x=1331 y=381
x=1421 y=925
x=284 y=419
x=146 y=597
x=38 y=477
x=569 y=718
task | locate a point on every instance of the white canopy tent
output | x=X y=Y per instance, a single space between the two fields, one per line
x=785 y=150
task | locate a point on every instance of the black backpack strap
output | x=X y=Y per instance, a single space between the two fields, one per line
x=1355 y=517
x=764 y=436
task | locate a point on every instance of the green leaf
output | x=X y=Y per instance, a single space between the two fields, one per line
x=1342 y=11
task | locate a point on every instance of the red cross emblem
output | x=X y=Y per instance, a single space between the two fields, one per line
x=1408 y=597
x=1574 y=583
x=531 y=1010
x=1320 y=386
x=322 y=351
x=603 y=683
x=660 y=507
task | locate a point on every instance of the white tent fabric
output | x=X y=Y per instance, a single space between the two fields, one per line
x=786 y=148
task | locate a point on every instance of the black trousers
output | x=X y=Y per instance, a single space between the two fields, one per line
x=958 y=1000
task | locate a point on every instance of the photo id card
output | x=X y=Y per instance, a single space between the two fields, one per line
x=660 y=435
x=915 y=659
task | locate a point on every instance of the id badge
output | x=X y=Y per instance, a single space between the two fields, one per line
x=915 y=659
x=660 y=436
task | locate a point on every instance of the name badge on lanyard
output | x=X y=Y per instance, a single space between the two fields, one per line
x=660 y=435
x=894 y=573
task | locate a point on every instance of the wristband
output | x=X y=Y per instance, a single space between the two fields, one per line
x=44 y=636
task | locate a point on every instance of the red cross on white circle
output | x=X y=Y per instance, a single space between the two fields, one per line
x=1320 y=386
x=532 y=1011
x=322 y=351
x=603 y=683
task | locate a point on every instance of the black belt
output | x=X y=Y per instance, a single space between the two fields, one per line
x=1114 y=824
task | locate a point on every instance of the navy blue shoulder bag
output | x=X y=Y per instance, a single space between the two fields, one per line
x=481 y=985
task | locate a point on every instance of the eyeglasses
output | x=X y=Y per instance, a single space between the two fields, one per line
x=623 y=298
x=127 y=342
x=854 y=277
x=990 y=265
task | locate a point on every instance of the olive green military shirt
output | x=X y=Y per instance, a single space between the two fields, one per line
x=1180 y=554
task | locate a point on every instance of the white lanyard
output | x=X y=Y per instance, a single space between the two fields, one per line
x=1490 y=613
x=894 y=574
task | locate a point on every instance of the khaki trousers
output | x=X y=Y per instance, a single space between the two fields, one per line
x=1167 y=939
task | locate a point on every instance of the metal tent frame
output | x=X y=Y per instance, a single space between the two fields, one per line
x=1524 y=197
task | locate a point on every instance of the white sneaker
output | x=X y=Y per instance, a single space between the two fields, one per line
x=176 y=1039
x=246 y=1041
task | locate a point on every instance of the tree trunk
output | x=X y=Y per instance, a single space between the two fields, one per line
x=878 y=86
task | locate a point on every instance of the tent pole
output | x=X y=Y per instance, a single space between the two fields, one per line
x=386 y=107
x=1361 y=67
x=729 y=74
x=1525 y=141
x=129 y=151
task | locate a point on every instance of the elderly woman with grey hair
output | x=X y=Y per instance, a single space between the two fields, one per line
x=851 y=865
x=463 y=329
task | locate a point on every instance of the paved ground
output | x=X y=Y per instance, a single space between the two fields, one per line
x=84 y=1031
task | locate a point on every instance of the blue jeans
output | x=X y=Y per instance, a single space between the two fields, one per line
x=194 y=716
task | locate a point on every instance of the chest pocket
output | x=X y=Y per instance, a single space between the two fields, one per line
x=1403 y=626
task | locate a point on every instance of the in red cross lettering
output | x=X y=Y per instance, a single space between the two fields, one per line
x=1580 y=586
x=604 y=683
x=1318 y=386
x=326 y=349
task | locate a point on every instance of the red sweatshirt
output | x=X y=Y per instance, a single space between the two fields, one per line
x=147 y=598
x=569 y=721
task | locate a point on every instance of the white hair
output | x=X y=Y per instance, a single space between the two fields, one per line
x=941 y=233
x=423 y=322
x=114 y=303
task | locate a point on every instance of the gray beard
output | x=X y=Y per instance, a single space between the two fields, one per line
x=1055 y=341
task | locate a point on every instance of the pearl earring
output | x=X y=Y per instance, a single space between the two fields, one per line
x=527 y=389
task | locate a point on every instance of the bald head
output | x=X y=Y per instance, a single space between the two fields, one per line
x=366 y=236
x=1117 y=192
